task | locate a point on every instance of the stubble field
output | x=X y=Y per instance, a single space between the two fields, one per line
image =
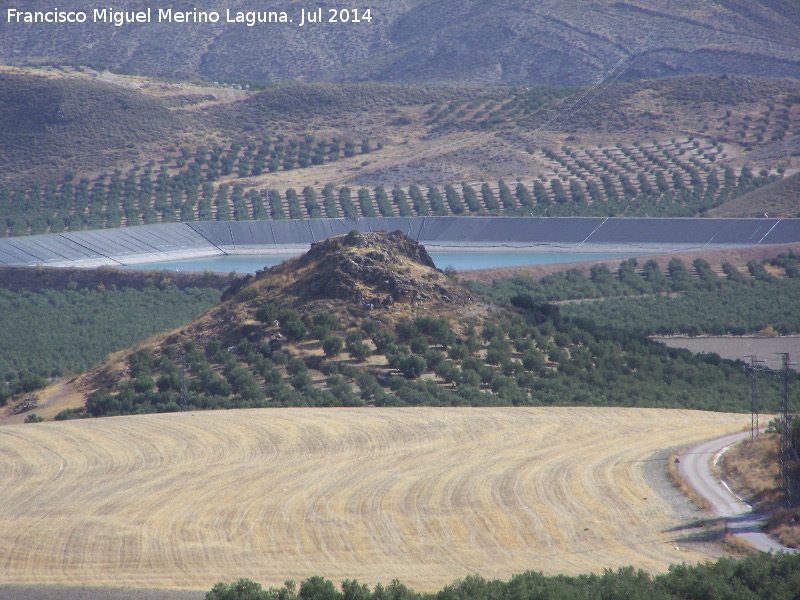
x=422 y=494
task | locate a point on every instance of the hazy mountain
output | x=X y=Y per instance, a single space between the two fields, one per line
x=498 y=42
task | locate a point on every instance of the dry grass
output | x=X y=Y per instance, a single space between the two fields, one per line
x=785 y=524
x=753 y=473
x=738 y=545
x=422 y=494
x=752 y=470
x=51 y=401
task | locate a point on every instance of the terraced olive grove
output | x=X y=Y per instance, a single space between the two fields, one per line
x=676 y=179
x=181 y=152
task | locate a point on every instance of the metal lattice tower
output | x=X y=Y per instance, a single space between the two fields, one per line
x=752 y=371
x=183 y=383
x=785 y=452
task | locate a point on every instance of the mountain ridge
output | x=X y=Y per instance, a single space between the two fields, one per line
x=554 y=43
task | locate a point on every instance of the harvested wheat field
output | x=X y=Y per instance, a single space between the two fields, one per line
x=422 y=494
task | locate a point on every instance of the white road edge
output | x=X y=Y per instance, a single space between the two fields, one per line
x=694 y=468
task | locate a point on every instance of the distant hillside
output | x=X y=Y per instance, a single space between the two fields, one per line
x=58 y=124
x=695 y=103
x=144 y=150
x=507 y=42
x=779 y=199
x=79 y=121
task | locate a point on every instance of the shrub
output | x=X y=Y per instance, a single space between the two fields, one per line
x=413 y=366
x=294 y=330
x=369 y=326
x=359 y=351
x=419 y=345
x=267 y=313
x=382 y=339
x=324 y=323
x=296 y=365
x=71 y=413
x=332 y=346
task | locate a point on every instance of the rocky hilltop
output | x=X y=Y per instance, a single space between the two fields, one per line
x=372 y=270
x=331 y=291
x=366 y=319
x=386 y=276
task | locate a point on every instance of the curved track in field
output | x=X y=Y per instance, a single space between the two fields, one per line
x=422 y=494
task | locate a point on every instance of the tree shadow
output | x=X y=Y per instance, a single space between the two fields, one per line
x=714 y=529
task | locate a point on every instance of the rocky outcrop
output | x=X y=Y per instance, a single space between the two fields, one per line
x=386 y=246
x=376 y=270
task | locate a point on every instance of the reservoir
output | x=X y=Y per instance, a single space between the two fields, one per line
x=460 y=260
x=462 y=242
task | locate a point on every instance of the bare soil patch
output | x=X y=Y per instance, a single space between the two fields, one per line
x=58 y=592
x=737 y=347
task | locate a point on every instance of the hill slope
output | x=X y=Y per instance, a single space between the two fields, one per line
x=58 y=124
x=779 y=199
x=507 y=42
x=180 y=148
x=365 y=319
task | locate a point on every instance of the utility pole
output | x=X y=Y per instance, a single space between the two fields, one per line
x=752 y=371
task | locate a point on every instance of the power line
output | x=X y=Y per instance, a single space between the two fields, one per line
x=785 y=452
x=791 y=495
x=184 y=393
x=752 y=371
x=634 y=54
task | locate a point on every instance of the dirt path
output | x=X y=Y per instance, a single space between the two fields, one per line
x=422 y=494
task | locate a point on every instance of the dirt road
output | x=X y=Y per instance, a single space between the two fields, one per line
x=741 y=520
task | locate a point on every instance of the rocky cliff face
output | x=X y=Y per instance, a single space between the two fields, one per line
x=373 y=270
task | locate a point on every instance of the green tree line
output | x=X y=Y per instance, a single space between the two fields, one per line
x=760 y=577
x=147 y=196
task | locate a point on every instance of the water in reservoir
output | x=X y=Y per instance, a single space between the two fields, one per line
x=459 y=260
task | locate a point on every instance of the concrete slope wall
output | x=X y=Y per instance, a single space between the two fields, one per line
x=152 y=243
